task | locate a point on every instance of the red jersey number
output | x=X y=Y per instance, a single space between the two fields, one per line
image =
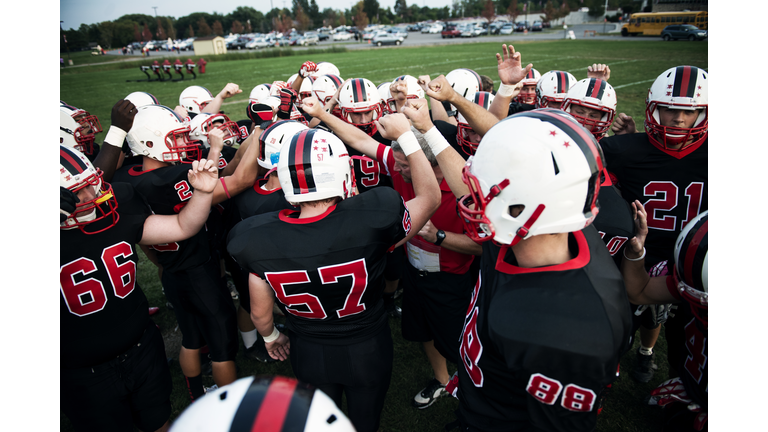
x=183 y=189
x=89 y=296
x=370 y=169
x=665 y=198
x=329 y=275
x=546 y=390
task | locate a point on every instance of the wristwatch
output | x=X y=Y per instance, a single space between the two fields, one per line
x=440 y=237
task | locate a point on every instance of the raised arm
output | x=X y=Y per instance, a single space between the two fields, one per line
x=253 y=139
x=478 y=117
x=227 y=92
x=641 y=288
x=159 y=229
x=599 y=71
x=111 y=153
x=244 y=176
x=450 y=161
x=437 y=108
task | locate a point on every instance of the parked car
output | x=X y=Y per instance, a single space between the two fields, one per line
x=507 y=28
x=450 y=31
x=467 y=31
x=258 y=43
x=186 y=44
x=399 y=32
x=343 y=35
x=321 y=36
x=384 y=38
x=239 y=43
x=522 y=26
x=537 y=26
x=683 y=31
x=281 y=42
x=310 y=38
x=546 y=24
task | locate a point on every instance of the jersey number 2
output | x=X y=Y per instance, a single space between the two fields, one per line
x=668 y=200
x=328 y=275
x=88 y=296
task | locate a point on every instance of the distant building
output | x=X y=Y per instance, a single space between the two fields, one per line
x=209 y=45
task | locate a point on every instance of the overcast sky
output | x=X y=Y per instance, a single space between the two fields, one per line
x=76 y=12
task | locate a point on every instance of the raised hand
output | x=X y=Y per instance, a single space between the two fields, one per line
x=417 y=112
x=312 y=106
x=216 y=139
x=599 y=71
x=203 y=175
x=623 y=124
x=440 y=89
x=637 y=242
x=307 y=68
x=391 y=126
x=509 y=65
x=230 y=90
x=123 y=113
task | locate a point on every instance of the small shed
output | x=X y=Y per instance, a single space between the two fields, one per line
x=209 y=45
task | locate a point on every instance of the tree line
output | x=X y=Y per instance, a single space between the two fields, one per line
x=306 y=15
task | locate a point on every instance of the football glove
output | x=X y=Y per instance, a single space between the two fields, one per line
x=453 y=385
x=306 y=68
x=68 y=203
x=287 y=98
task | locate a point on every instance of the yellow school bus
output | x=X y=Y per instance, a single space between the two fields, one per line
x=651 y=24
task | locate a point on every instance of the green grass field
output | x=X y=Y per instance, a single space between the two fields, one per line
x=634 y=65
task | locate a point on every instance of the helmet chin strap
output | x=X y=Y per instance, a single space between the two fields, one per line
x=523 y=231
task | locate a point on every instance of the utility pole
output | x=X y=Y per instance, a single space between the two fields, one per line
x=605 y=15
x=155 y=8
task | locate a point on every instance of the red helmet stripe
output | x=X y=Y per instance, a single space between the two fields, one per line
x=300 y=164
x=358 y=90
x=336 y=80
x=691 y=250
x=71 y=162
x=596 y=88
x=562 y=82
x=685 y=81
x=274 y=407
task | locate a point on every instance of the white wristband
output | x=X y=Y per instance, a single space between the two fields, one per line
x=408 y=143
x=436 y=141
x=506 y=90
x=273 y=337
x=115 y=136
x=634 y=259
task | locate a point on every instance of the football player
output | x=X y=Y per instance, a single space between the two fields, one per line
x=592 y=102
x=436 y=279
x=327 y=273
x=191 y=275
x=196 y=99
x=665 y=168
x=685 y=396
x=530 y=201
x=114 y=372
x=552 y=87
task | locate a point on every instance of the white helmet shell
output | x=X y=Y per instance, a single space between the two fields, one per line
x=195 y=98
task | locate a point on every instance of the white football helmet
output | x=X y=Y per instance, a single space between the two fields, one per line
x=272 y=139
x=75 y=173
x=466 y=82
x=385 y=95
x=542 y=160
x=248 y=404
x=528 y=93
x=359 y=95
x=683 y=88
x=306 y=88
x=159 y=133
x=327 y=68
x=141 y=98
x=414 y=91
x=204 y=122
x=77 y=128
x=260 y=92
x=596 y=94
x=315 y=165
x=690 y=273
x=552 y=87
x=291 y=79
x=484 y=99
x=195 y=98
x=325 y=87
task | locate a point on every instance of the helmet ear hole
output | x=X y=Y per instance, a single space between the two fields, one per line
x=515 y=210
x=149 y=144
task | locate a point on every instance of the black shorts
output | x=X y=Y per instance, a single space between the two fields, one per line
x=133 y=389
x=434 y=308
x=362 y=371
x=204 y=309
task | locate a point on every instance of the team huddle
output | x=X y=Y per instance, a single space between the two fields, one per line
x=528 y=246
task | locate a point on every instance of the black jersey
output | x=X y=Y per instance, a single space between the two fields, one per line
x=103 y=311
x=516 y=107
x=539 y=345
x=225 y=157
x=255 y=201
x=328 y=271
x=369 y=173
x=167 y=191
x=671 y=185
x=614 y=222
x=449 y=132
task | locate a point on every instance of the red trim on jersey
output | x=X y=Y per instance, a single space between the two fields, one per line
x=678 y=154
x=274 y=407
x=261 y=182
x=292 y=216
x=579 y=261
x=137 y=170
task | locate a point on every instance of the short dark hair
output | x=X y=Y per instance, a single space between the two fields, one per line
x=487 y=83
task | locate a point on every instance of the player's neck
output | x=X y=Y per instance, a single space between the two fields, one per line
x=150 y=164
x=273 y=182
x=542 y=250
x=315 y=208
